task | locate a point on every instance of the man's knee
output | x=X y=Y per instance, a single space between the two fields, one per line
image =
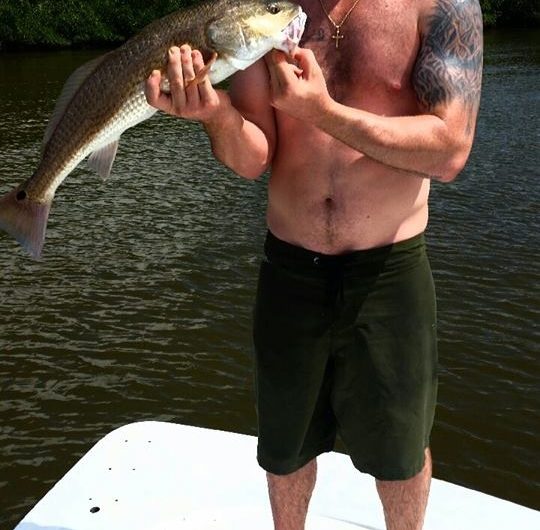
x=308 y=471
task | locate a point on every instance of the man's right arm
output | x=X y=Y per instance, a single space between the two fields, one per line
x=240 y=124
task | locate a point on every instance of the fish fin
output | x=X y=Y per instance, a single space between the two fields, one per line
x=25 y=220
x=101 y=160
x=74 y=82
x=205 y=71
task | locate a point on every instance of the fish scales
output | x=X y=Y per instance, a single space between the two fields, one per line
x=102 y=98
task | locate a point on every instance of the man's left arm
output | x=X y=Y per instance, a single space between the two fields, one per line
x=447 y=80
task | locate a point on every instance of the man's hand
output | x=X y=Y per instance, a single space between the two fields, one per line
x=299 y=90
x=189 y=97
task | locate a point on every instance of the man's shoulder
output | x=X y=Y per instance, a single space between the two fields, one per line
x=452 y=27
x=443 y=12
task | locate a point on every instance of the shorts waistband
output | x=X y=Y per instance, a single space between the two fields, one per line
x=284 y=252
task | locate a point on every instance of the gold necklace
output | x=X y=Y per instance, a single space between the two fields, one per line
x=338 y=35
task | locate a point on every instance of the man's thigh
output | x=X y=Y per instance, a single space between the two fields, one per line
x=385 y=384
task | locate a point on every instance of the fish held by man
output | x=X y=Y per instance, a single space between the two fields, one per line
x=105 y=97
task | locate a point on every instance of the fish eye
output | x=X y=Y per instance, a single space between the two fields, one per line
x=273 y=9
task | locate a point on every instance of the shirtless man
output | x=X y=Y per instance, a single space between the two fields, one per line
x=354 y=131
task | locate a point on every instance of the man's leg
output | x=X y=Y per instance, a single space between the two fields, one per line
x=405 y=501
x=290 y=496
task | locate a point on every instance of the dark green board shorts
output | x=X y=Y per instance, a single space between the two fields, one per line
x=346 y=345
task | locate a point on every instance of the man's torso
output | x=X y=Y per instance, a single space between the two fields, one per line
x=324 y=195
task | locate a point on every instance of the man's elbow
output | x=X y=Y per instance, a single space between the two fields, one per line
x=454 y=163
x=251 y=171
x=248 y=167
x=252 y=167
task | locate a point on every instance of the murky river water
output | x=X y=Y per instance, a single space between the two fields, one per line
x=141 y=307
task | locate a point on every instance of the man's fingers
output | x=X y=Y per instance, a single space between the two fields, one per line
x=201 y=76
x=187 y=64
x=190 y=87
x=191 y=93
x=274 y=78
x=284 y=76
x=285 y=71
x=155 y=97
x=176 y=79
x=174 y=69
x=152 y=89
x=306 y=61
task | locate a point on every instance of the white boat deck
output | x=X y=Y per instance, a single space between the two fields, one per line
x=163 y=476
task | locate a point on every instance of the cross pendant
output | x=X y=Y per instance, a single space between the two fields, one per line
x=338 y=36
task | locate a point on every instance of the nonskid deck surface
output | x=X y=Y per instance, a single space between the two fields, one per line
x=164 y=476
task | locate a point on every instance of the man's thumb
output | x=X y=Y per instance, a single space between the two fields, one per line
x=306 y=61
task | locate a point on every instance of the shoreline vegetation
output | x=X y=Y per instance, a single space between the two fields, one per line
x=49 y=24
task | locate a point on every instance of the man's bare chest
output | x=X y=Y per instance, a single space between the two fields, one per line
x=372 y=51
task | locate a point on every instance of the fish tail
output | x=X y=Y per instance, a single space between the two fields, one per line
x=25 y=220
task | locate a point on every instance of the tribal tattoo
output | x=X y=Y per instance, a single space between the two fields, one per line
x=449 y=64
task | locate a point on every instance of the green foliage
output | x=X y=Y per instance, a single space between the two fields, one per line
x=55 y=23
x=52 y=23
x=510 y=12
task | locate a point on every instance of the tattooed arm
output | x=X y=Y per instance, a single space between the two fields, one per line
x=448 y=72
x=447 y=79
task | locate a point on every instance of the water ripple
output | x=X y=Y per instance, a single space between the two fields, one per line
x=141 y=307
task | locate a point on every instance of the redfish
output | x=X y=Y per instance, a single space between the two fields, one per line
x=105 y=97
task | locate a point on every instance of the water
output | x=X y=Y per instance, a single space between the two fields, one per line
x=141 y=307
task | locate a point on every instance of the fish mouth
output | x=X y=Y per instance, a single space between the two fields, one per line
x=290 y=36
